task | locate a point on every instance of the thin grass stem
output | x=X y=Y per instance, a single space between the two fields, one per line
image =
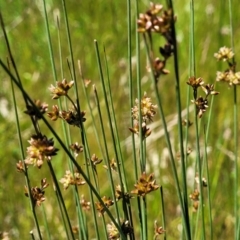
x=46 y=227
x=163 y=212
x=180 y=130
x=27 y=180
x=235 y=129
x=107 y=158
x=169 y=146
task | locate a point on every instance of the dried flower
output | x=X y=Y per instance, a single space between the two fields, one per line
x=158 y=230
x=38 y=110
x=195 y=82
x=229 y=76
x=202 y=105
x=76 y=148
x=195 y=197
x=40 y=149
x=112 y=164
x=37 y=193
x=54 y=114
x=107 y=202
x=71 y=179
x=61 y=89
x=113 y=232
x=187 y=123
x=151 y=22
x=224 y=54
x=148 y=109
x=145 y=185
x=20 y=166
x=145 y=130
x=85 y=204
x=72 y=117
x=95 y=160
x=159 y=67
x=209 y=89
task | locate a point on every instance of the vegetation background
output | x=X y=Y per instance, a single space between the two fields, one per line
x=106 y=21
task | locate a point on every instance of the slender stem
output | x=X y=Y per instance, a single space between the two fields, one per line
x=27 y=180
x=49 y=41
x=45 y=222
x=107 y=158
x=199 y=167
x=61 y=197
x=169 y=146
x=180 y=131
x=235 y=110
x=208 y=181
x=163 y=212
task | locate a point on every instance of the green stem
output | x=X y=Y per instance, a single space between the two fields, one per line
x=45 y=222
x=163 y=212
x=180 y=131
x=235 y=110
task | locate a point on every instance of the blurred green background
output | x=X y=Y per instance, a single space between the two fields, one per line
x=106 y=21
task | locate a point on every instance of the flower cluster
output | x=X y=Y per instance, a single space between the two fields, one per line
x=158 y=230
x=61 y=89
x=150 y=21
x=40 y=149
x=107 y=202
x=159 y=21
x=145 y=185
x=71 y=116
x=194 y=196
x=230 y=75
x=201 y=103
x=84 y=203
x=148 y=111
x=119 y=194
x=38 y=110
x=37 y=193
x=224 y=54
x=76 y=148
x=71 y=179
x=113 y=232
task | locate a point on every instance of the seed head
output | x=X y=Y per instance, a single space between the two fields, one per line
x=61 y=89
x=107 y=202
x=37 y=193
x=40 y=149
x=71 y=179
x=224 y=54
x=37 y=113
x=145 y=185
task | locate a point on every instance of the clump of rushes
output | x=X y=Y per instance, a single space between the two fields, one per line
x=72 y=115
x=230 y=75
x=145 y=185
x=37 y=193
x=148 y=111
x=201 y=103
x=158 y=21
